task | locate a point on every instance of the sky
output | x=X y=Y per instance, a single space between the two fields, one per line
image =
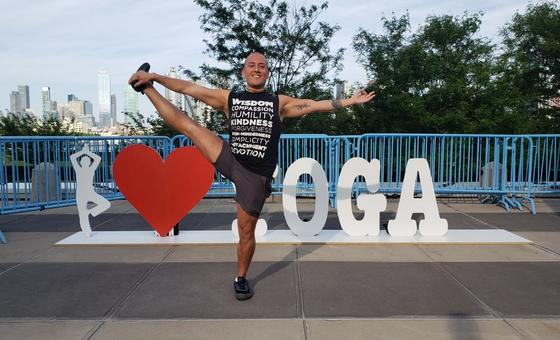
x=64 y=43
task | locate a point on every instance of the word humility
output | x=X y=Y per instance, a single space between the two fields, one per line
x=372 y=204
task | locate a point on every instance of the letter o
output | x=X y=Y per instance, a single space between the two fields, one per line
x=315 y=225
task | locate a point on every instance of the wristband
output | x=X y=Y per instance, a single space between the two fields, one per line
x=336 y=104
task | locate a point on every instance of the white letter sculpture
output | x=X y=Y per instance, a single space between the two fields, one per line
x=372 y=205
x=403 y=224
x=315 y=225
x=85 y=171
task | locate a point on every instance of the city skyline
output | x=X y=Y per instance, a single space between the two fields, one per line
x=72 y=49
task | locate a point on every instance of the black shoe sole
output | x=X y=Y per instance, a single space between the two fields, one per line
x=242 y=296
x=146 y=68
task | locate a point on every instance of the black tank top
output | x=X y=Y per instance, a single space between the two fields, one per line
x=254 y=130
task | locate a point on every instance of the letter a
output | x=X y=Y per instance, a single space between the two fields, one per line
x=403 y=224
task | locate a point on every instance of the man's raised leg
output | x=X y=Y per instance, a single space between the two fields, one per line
x=205 y=140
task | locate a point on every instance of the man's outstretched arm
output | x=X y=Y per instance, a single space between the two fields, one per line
x=293 y=107
x=216 y=98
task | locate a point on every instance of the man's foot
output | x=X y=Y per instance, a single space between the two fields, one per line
x=242 y=288
x=146 y=68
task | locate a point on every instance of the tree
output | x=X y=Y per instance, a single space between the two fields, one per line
x=17 y=125
x=139 y=125
x=530 y=68
x=295 y=42
x=433 y=80
x=136 y=123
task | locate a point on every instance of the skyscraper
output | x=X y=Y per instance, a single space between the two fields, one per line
x=104 y=91
x=113 y=109
x=77 y=108
x=175 y=98
x=15 y=103
x=196 y=108
x=72 y=97
x=24 y=97
x=46 y=101
x=88 y=108
x=130 y=103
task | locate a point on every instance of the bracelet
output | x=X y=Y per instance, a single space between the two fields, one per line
x=336 y=104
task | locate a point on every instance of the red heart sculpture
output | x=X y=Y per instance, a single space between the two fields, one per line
x=163 y=192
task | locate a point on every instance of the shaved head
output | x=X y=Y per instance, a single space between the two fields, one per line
x=257 y=57
x=255 y=71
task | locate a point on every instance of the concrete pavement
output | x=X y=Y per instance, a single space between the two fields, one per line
x=301 y=291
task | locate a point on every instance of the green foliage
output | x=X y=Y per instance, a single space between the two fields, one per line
x=28 y=125
x=136 y=123
x=432 y=80
x=214 y=120
x=154 y=125
x=294 y=41
x=530 y=67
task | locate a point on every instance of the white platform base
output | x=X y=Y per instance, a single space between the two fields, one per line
x=99 y=238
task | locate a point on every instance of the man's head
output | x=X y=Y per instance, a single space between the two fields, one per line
x=85 y=162
x=255 y=71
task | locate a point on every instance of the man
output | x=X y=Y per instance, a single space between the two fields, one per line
x=250 y=157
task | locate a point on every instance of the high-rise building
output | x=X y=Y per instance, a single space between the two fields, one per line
x=72 y=97
x=77 y=108
x=24 y=97
x=54 y=106
x=195 y=108
x=340 y=90
x=15 y=103
x=130 y=103
x=46 y=101
x=113 y=109
x=88 y=108
x=175 y=98
x=104 y=119
x=104 y=92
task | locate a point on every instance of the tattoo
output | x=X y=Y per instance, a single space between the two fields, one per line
x=302 y=106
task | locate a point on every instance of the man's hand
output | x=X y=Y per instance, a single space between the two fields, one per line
x=140 y=78
x=362 y=96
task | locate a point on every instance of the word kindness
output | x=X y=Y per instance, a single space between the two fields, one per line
x=372 y=204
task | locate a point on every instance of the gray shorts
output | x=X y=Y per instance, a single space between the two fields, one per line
x=251 y=189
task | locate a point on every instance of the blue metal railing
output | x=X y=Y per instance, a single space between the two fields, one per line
x=35 y=172
x=545 y=167
x=494 y=166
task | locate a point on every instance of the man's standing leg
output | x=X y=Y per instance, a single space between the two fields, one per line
x=245 y=250
x=246 y=246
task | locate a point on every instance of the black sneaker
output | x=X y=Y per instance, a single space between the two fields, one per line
x=146 y=68
x=242 y=288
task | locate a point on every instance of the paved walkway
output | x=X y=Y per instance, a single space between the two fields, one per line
x=301 y=292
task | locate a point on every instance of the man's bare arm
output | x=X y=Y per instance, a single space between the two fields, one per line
x=216 y=98
x=293 y=107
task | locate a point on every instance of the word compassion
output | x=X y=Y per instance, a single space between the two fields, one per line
x=372 y=204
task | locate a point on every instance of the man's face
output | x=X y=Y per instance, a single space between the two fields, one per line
x=255 y=71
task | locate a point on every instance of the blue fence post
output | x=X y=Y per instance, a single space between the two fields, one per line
x=2 y=238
